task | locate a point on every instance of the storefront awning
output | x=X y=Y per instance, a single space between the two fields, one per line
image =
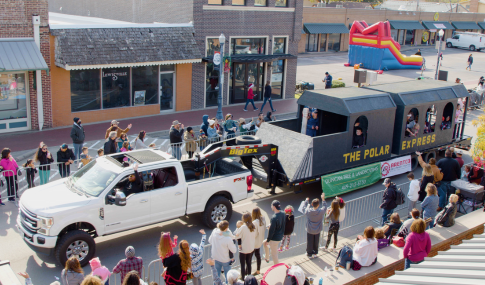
x=482 y=25
x=20 y=54
x=124 y=47
x=465 y=25
x=332 y=28
x=406 y=25
x=247 y=58
x=437 y=25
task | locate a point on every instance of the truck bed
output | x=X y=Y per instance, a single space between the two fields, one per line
x=221 y=168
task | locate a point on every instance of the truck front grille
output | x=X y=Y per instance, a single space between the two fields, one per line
x=29 y=220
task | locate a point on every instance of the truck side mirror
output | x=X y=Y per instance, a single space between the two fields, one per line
x=120 y=199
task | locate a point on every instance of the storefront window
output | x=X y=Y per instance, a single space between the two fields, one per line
x=248 y=46
x=145 y=85
x=238 y=2
x=166 y=89
x=323 y=42
x=116 y=87
x=279 y=45
x=280 y=3
x=259 y=2
x=85 y=90
x=410 y=37
x=394 y=33
x=312 y=42
x=333 y=42
x=277 y=76
x=212 y=46
x=401 y=37
x=13 y=98
x=211 y=85
x=215 y=2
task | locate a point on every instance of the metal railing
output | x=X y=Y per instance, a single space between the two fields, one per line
x=115 y=278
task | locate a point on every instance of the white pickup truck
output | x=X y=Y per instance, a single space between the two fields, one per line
x=63 y=217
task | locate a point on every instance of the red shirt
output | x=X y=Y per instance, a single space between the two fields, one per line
x=250 y=93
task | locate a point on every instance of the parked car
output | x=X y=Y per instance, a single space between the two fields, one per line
x=471 y=41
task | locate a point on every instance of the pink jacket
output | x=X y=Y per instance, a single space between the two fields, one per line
x=417 y=246
x=9 y=165
x=250 y=93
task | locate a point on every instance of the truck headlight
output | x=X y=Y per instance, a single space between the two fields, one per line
x=45 y=224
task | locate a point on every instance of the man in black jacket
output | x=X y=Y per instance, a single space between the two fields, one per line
x=66 y=156
x=388 y=199
x=77 y=135
x=275 y=233
x=451 y=171
x=110 y=144
x=176 y=135
x=133 y=184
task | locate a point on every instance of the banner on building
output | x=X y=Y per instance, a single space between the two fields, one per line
x=351 y=179
x=396 y=166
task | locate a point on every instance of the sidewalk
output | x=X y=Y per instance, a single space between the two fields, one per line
x=30 y=140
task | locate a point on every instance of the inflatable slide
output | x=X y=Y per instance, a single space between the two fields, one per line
x=374 y=47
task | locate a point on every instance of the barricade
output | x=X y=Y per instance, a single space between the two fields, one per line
x=115 y=278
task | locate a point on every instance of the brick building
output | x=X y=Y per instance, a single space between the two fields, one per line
x=25 y=95
x=262 y=39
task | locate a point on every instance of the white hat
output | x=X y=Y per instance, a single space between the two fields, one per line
x=211 y=122
x=459 y=152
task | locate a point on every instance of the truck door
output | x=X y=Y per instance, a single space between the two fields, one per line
x=135 y=213
x=169 y=196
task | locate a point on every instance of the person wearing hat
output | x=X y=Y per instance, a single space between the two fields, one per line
x=388 y=199
x=230 y=126
x=211 y=131
x=250 y=98
x=275 y=233
x=65 y=157
x=176 y=135
x=314 y=223
x=459 y=154
x=115 y=128
x=327 y=80
x=77 y=135
x=131 y=262
x=190 y=142
x=312 y=124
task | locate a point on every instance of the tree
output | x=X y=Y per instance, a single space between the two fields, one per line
x=478 y=149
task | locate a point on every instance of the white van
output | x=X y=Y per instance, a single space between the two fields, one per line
x=471 y=41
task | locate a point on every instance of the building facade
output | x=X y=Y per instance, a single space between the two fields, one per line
x=408 y=27
x=25 y=95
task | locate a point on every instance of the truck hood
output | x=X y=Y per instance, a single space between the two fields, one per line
x=52 y=198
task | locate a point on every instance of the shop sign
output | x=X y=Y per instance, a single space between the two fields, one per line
x=396 y=166
x=349 y=180
x=115 y=75
x=217 y=58
x=436 y=16
x=439 y=26
x=425 y=36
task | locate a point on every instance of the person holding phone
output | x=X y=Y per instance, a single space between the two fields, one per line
x=44 y=157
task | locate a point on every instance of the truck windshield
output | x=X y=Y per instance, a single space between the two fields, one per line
x=92 y=179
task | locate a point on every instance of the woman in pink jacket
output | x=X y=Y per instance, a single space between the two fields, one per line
x=9 y=168
x=418 y=244
x=250 y=98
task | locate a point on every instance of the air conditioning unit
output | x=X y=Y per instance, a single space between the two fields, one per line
x=339 y=6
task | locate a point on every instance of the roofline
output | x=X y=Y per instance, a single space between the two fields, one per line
x=16 y=39
x=135 y=64
x=117 y=26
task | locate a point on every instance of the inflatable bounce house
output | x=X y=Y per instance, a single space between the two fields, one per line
x=374 y=48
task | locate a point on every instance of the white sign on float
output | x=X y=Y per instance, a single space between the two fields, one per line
x=304 y=120
x=396 y=166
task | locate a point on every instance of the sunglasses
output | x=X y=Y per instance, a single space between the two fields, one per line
x=44 y=148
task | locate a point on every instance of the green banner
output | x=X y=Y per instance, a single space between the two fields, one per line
x=352 y=179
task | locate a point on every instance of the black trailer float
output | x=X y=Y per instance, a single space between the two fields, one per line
x=380 y=111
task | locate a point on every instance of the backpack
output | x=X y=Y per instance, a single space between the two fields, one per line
x=399 y=197
x=344 y=256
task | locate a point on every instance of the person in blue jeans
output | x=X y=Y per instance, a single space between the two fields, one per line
x=388 y=199
x=250 y=98
x=221 y=245
x=267 y=96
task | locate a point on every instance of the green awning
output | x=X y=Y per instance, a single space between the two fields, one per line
x=482 y=25
x=465 y=25
x=303 y=31
x=333 y=28
x=437 y=25
x=20 y=54
x=406 y=25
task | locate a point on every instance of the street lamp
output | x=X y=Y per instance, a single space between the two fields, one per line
x=222 y=40
x=440 y=34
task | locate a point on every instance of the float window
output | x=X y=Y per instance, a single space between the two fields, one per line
x=359 y=138
x=447 y=117
x=411 y=127
x=430 y=120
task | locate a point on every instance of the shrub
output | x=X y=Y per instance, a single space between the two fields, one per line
x=337 y=84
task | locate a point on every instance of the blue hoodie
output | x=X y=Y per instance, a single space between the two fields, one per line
x=196 y=255
x=205 y=123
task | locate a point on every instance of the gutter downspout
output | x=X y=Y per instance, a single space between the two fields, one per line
x=38 y=74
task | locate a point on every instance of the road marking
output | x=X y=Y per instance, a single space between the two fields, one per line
x=153 y=141
x=164 y=142
x=92 y=147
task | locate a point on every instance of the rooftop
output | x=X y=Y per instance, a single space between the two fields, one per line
x=423 y=6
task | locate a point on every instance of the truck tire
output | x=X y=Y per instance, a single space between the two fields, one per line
x=414 y=162
x=472 y=48
x=430 y=155
x=218 y=208
x=78 y=243
x=245 y=140
x=449 y=45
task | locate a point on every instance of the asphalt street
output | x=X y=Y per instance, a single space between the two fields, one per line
x=110 y=249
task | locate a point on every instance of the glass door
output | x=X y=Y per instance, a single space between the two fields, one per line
x=166 y=91
x=14 y=104
x=242 y=75
x=312 y=42
x=240 y=87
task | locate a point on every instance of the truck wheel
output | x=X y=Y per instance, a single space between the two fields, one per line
x=430 y=155
x=76 y=243
x=449 y=45
x=218 y=208
x=244 y=140
x=472 y=48
x=414 y=162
